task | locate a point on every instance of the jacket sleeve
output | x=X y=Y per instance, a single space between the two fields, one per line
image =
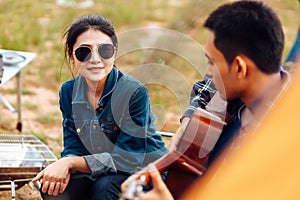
x=100 y=164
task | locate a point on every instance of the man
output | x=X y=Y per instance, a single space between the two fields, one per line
x=244 y=50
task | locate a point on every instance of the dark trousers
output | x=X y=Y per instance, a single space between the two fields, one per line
x=106 y=187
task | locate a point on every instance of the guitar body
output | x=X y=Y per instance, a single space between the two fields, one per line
x=178 y=180
x=189 y=161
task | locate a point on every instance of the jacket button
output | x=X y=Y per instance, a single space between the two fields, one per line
x=78 y=130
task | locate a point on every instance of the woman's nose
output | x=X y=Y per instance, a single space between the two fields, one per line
x=95 y=56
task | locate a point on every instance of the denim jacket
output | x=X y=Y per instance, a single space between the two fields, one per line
x=119 y=135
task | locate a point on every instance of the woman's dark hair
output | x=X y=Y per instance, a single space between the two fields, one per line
x=85 y=23
x=250 y=28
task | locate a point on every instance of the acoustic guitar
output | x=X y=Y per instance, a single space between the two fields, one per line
x=188 y=161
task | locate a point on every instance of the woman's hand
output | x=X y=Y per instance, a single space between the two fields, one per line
x=55 y=177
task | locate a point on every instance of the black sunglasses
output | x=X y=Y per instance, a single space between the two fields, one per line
x=83 y=54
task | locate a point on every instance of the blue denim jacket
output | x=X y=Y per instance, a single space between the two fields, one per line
x=119 y=135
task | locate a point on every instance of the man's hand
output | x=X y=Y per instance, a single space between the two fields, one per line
x=160 y=190
x=125 y=184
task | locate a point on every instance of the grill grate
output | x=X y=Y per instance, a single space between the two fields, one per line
x=22 y=156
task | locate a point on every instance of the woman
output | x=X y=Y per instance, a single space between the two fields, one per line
x=107 y=122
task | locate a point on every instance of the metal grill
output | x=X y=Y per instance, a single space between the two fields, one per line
x=22 y=156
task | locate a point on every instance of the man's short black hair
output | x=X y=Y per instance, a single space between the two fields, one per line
x=251 y=28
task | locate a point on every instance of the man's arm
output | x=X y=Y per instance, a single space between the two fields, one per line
x=178 y=135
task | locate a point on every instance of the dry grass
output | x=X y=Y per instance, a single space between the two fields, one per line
x=37 y=26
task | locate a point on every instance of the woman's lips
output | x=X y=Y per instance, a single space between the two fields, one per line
x=95 y=68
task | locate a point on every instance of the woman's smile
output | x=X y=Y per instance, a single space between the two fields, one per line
x=96 y=68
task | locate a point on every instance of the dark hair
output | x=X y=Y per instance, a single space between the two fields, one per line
x=85 y=23
x=250 y=28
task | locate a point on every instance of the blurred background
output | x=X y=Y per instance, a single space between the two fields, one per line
x=38 y=26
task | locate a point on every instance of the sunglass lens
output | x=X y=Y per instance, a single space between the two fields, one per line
x=83 y=54
x=106 y=51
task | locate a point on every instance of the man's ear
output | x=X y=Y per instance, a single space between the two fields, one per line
x=240 y=66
